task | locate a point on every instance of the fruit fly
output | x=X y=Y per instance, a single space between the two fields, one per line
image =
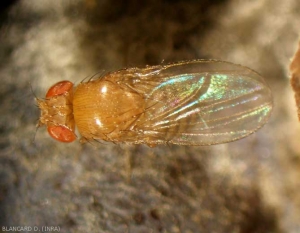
x=201 y=102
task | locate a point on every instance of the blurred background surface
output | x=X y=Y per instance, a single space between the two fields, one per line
x=248 y=186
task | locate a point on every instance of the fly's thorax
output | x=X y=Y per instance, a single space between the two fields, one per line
x=105 y=109
x=57 y=110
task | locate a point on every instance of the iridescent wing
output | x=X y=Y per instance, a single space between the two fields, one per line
x=201 y=102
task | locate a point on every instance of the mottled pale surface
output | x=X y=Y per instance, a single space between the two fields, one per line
x=295 y=77
x=251 y=185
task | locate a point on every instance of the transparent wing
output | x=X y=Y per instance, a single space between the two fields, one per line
x=201 y=102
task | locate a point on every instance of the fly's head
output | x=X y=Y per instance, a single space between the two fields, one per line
x=57 y=112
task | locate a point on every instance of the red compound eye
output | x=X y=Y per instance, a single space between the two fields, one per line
x=59 y=88
x=61 y=133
